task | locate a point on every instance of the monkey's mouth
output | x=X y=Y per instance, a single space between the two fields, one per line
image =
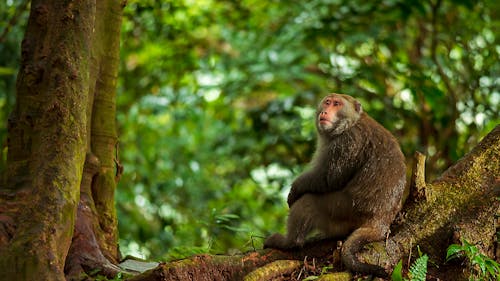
x=323 y=120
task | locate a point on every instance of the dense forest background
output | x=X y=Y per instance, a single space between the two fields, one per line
x=216 y=99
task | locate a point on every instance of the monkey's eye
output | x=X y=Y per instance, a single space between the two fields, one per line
x=328 y=102
x=337 y=103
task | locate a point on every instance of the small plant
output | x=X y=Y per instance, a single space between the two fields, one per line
x=484 y=268
x=417 y=272
x=397 y=273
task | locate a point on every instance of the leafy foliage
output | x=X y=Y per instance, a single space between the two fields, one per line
x=483 y=267
x=417 y=272
x=216 y=101
x=13 y=18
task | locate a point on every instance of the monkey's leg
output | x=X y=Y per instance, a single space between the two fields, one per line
x=300 y=220
x=341 y=217
x=355 y=243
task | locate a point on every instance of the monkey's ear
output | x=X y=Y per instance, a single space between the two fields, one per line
x=357 y=107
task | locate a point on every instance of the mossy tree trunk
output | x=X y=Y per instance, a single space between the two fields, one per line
x=57 y=212
x=461 y=204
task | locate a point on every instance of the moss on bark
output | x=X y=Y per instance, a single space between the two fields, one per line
x=46 y=142
x=64 y=111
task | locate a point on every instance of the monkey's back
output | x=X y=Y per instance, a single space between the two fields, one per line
x=378 y=179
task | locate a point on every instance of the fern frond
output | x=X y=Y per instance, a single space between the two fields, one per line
x=418 y=270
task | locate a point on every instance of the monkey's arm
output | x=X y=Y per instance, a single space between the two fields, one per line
x=308 y=182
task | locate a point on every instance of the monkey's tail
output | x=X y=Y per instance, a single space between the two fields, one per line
x=354 y=244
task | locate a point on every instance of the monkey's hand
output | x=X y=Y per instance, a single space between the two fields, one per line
x=308 y=182
x=292 y=197
x=302 y=184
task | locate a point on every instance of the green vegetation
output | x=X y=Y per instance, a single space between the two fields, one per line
x=417 y=272
x=216 y=98
x=483 y=267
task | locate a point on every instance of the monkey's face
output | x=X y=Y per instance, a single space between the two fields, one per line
x=329 y=111
x=337 y=112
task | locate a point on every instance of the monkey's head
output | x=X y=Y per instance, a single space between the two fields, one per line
x=337 y=113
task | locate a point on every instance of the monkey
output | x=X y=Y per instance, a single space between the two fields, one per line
x=354 y=185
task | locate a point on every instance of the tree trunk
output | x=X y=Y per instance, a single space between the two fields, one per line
x=95 y=243
x=460 y=204
x=64 y=114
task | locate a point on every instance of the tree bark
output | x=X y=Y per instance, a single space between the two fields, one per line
x=103 y=139
x=46 y=143
x=64 y=114
x=460 y=204
x=95 y=243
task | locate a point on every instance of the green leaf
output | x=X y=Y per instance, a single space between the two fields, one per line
x=453 y=252
x=491 y=270
x=478 y=260
x=419 y=251
x=397 y=273
x=325 y=269
x=492 y=264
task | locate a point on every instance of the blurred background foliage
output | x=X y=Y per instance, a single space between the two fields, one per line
x=216 y=101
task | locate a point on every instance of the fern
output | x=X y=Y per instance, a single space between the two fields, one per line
x=418 y=270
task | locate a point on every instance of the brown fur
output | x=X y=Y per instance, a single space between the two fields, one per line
x=353 y=188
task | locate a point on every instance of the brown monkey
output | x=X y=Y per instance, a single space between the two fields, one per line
x=354 y=186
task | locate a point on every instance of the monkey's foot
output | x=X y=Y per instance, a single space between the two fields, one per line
x=278 y=241
x=274 y=241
